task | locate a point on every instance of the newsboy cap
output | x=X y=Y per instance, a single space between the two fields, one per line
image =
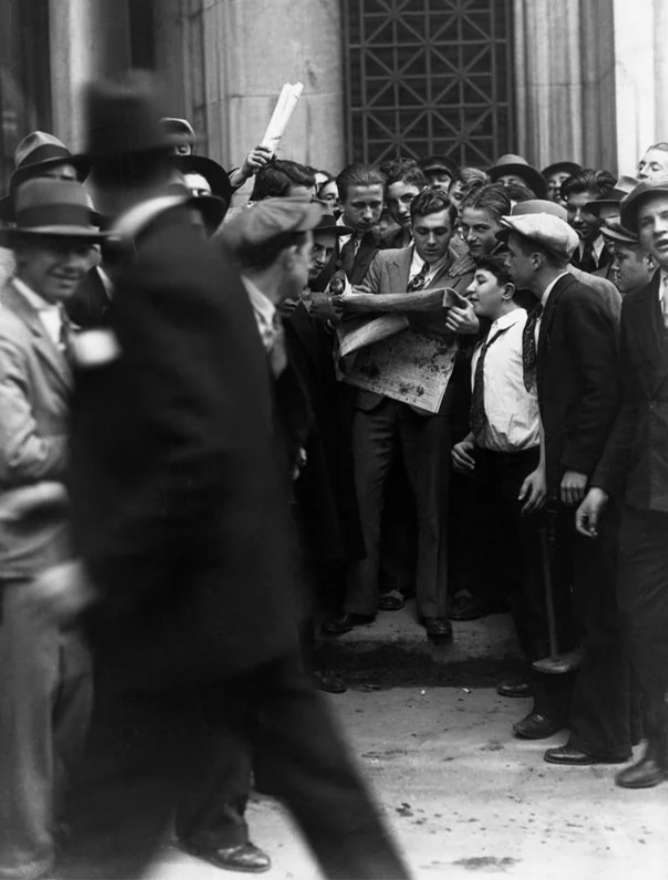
x=630 y=205
x=539 y=206
x=550 y=232
x=269 y=219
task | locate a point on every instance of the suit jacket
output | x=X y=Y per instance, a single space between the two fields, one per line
x=180 y=509
x=367 y=250
x=577 y=377
x=35 y=385
x=605 y=289
x=636 y=455
x=389 y=273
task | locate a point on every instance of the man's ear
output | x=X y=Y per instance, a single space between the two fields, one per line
x=508 y=291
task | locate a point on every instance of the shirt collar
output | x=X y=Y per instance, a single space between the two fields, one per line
x=548 y=289
x=508 y=320
x=417 y=262
x=36 y=301
x=263 y=307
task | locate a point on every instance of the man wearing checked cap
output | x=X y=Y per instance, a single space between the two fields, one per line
x=571 y=343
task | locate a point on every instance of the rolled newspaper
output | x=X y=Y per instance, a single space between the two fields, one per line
x=285 y=106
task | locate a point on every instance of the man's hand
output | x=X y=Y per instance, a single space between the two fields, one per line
x=573 y=487
x=256 y=159
x=462 y=460
x=462 y=319
x=60 y=593
x=533 y=491
x=589 y=513
x=322 y=307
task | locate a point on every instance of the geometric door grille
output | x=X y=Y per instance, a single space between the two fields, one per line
x=428 y=77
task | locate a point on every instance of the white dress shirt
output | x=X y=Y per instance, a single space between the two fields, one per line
x=264 y=311
x=50 y=314
x=597 y=248
x=417 y=263
x=512 y=412
x=663 y=295
x=344 y=239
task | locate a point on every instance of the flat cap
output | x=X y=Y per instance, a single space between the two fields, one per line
x=539 y=206
x=612 y=230
x=548 y=231
x=629 y=206
x=269 y=219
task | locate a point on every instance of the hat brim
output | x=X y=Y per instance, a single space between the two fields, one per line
x=77 y=233
x=215 y=175
x=333 y=229
x=568 y=167
x=598 y=205
x=619 y=237
x=533 y=178
x=80 y=163
x=631 y=204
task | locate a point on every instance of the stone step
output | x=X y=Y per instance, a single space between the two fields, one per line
x=395 y=650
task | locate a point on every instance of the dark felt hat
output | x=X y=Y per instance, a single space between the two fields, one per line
x=517 y=165
x=631 y=203
x=564 y=167
x=53 y=208
x=328 y=222
x=612 y=230
x=214 y=174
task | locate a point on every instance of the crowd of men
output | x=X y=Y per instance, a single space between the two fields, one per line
x=194 y=489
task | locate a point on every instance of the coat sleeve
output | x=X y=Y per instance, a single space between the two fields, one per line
x=591 y=339
x=612 y=468
x=26 y=456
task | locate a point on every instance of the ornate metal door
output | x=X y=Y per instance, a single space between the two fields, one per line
x=428 y=76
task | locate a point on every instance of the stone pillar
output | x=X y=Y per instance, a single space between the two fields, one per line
x=565 y=84
x=89 y=38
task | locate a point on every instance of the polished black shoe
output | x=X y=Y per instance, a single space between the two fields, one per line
x=437 y=627
x=517 y=689
x=536 y=726
x=649 y=771
x=336 y=626
x=465 y=607
x=572 y=757
x=247 y=858
x=329 y=683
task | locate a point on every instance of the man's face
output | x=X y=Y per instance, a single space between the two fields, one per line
x=330 y=194
x=510 y=179
x=653 y=228
x=362 y=206
x=585 y=224
x=440 y=180
x=631 y=268
x=60 y=172
x=432 y=235
x=520 y=265
x=653 y=165
x=554 y=182
x=399 y=198
x=54 y=268
x=479 y=231
x=297 y=265
x=487 y=295
x=456 y=193
x=324 y=244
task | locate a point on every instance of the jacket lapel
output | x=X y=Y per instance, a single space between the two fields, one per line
x=649 y=333
x=13 y=300
x=399 y=270
x=548 y=319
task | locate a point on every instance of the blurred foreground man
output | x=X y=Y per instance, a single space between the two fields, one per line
x=181 y=522
x=45 y=680
x=635 y=464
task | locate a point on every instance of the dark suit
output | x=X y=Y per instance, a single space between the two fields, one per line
x=384 y=428
x=578 y=393
x=181 y=515
x=635 y=466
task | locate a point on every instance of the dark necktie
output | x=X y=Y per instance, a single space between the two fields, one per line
x=478 y=416
x=529 y=349
x=419 y=281
x=278 y=359
x=587 y=262
x=347 y=256
x=65 y=338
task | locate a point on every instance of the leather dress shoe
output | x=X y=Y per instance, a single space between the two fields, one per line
x=517 y=689
x=572 y=757
x=247 y=858
x=329 y=683
x=649 y=771
x=465 y=607
x=536 y=726
x=437 y=627
x=336 y=626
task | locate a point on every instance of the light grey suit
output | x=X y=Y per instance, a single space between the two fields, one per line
x=45 y=682
x=384 y=428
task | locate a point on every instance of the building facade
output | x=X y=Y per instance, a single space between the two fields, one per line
x=470 y=79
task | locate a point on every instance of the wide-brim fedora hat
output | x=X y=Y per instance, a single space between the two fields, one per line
x=561 y=167
x=214 y=174
x=327 y=222
x=512 y=164
x=53 y=208
x=630 y=205
x=610 y=204
x=123 y=117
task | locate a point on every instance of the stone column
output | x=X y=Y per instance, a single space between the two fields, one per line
x=89 y=38
x=564 y=65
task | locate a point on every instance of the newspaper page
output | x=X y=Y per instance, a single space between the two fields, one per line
x=285 y=106
x=358 y=333
x=411 y=366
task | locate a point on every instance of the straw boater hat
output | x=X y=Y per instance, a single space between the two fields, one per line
x=512 y=164
x=38 y=152
x=53 y=208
